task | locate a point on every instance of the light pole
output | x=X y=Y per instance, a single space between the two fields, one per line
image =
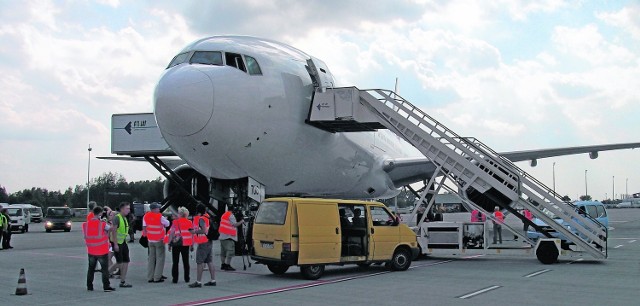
x=586 y=191
x=554 y=177
x=88 y=172
x=626 y=188
x=613 y=181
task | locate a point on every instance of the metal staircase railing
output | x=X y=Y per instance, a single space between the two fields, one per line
x=473 y=164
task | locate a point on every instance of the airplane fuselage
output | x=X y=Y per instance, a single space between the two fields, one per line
x=228 y=121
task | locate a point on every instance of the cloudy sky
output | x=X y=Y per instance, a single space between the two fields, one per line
x=515 y=74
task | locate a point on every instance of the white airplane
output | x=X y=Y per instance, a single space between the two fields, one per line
x=233 y=107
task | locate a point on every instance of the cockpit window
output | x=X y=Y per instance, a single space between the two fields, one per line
x=178 y=59
x=252 y=66
x=207 y=58
x=234 y=60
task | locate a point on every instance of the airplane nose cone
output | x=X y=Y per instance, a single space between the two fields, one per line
x=183 y=101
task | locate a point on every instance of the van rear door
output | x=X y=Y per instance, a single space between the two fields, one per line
x=319 y=233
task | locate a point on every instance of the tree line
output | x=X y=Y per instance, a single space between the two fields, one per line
x=107 y=189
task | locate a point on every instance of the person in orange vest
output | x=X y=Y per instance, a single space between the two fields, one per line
x=527 y=214
x=204 y=253
x=497 y=225
x=181 y=242
x=96 y=237
x=90 y=213
x=153 y=227
x=228 y=238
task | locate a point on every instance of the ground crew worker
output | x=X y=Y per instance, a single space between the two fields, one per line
x=477 y=216
x=527 y=214
x=180 y=234
x=90 y=213
x=204 y=253
x=120 y=247
x=96 y=237
x=153 y=226
x=4 y=226
x=6 y=235
x=228 y=238
x=497 y=225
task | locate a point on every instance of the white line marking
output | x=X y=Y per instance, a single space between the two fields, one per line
x=481 y=291
x=624 y=238
x=473 y=256
x=617 y=246
x=618 y=221
x=632 y=241
x=537 y=273
x=577 y=260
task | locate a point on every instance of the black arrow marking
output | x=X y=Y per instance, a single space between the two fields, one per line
x=128 y=128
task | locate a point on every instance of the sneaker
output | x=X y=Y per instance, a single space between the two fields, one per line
x=230 y=268
x=163 y=277
x=195 y=285
x=125 y=285
x=109 y=289
x=159 y=281
x=89 y=288
x=223 y=267
x=210 y=283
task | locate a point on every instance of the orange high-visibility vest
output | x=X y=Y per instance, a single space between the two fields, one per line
x=527 y=214
x=201 y=238
x=95 y=237
x=90 y=216
x=155 y=230
x=499 y=216
x=225 y=225
x=181 y=227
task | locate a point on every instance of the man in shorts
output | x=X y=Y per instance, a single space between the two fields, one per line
x=120 y=248
x=228 y=238
x=204 y=252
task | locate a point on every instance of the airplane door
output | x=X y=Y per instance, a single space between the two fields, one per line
x=319 y=233
x=384 y=235
x=320 y=73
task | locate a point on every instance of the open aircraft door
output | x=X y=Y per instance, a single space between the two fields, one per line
x=319 y=233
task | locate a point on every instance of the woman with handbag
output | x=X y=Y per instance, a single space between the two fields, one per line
x=180 y=243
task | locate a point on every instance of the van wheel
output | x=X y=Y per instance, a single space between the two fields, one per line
x=312 y=272
x=67 y=230
x=278 y=269
x=401 y=260
x=48 y=231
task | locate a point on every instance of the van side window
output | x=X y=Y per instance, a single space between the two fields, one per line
x=272 y=213
x=601 y=211
x=380 y=216
x=234 y=60
x=591 y=210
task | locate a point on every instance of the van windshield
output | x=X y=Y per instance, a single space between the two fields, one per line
x=35 y=210
x=14 y=211
x=272 y=213
x=58 y=212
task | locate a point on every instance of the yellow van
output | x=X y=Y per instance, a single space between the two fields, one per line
x=312 y=233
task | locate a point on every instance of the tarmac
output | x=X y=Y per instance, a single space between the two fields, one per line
x=56 y=266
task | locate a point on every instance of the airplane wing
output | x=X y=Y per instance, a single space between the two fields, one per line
x=170 y=162
x=533 y=155
x=404 y=171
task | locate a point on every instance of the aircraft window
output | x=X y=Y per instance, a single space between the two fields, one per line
x=178 y=59
x=234 y=60
x=252 y=66
x=207 y=58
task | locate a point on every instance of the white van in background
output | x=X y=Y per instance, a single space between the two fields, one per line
x=35 y=212
x=20 y=217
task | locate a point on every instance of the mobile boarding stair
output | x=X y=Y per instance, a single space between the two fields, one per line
x=481 y=175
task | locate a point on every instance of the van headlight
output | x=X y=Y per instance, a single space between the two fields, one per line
x=68 y=224
x=48 y=224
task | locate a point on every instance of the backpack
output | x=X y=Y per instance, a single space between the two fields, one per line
x=212 y=233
